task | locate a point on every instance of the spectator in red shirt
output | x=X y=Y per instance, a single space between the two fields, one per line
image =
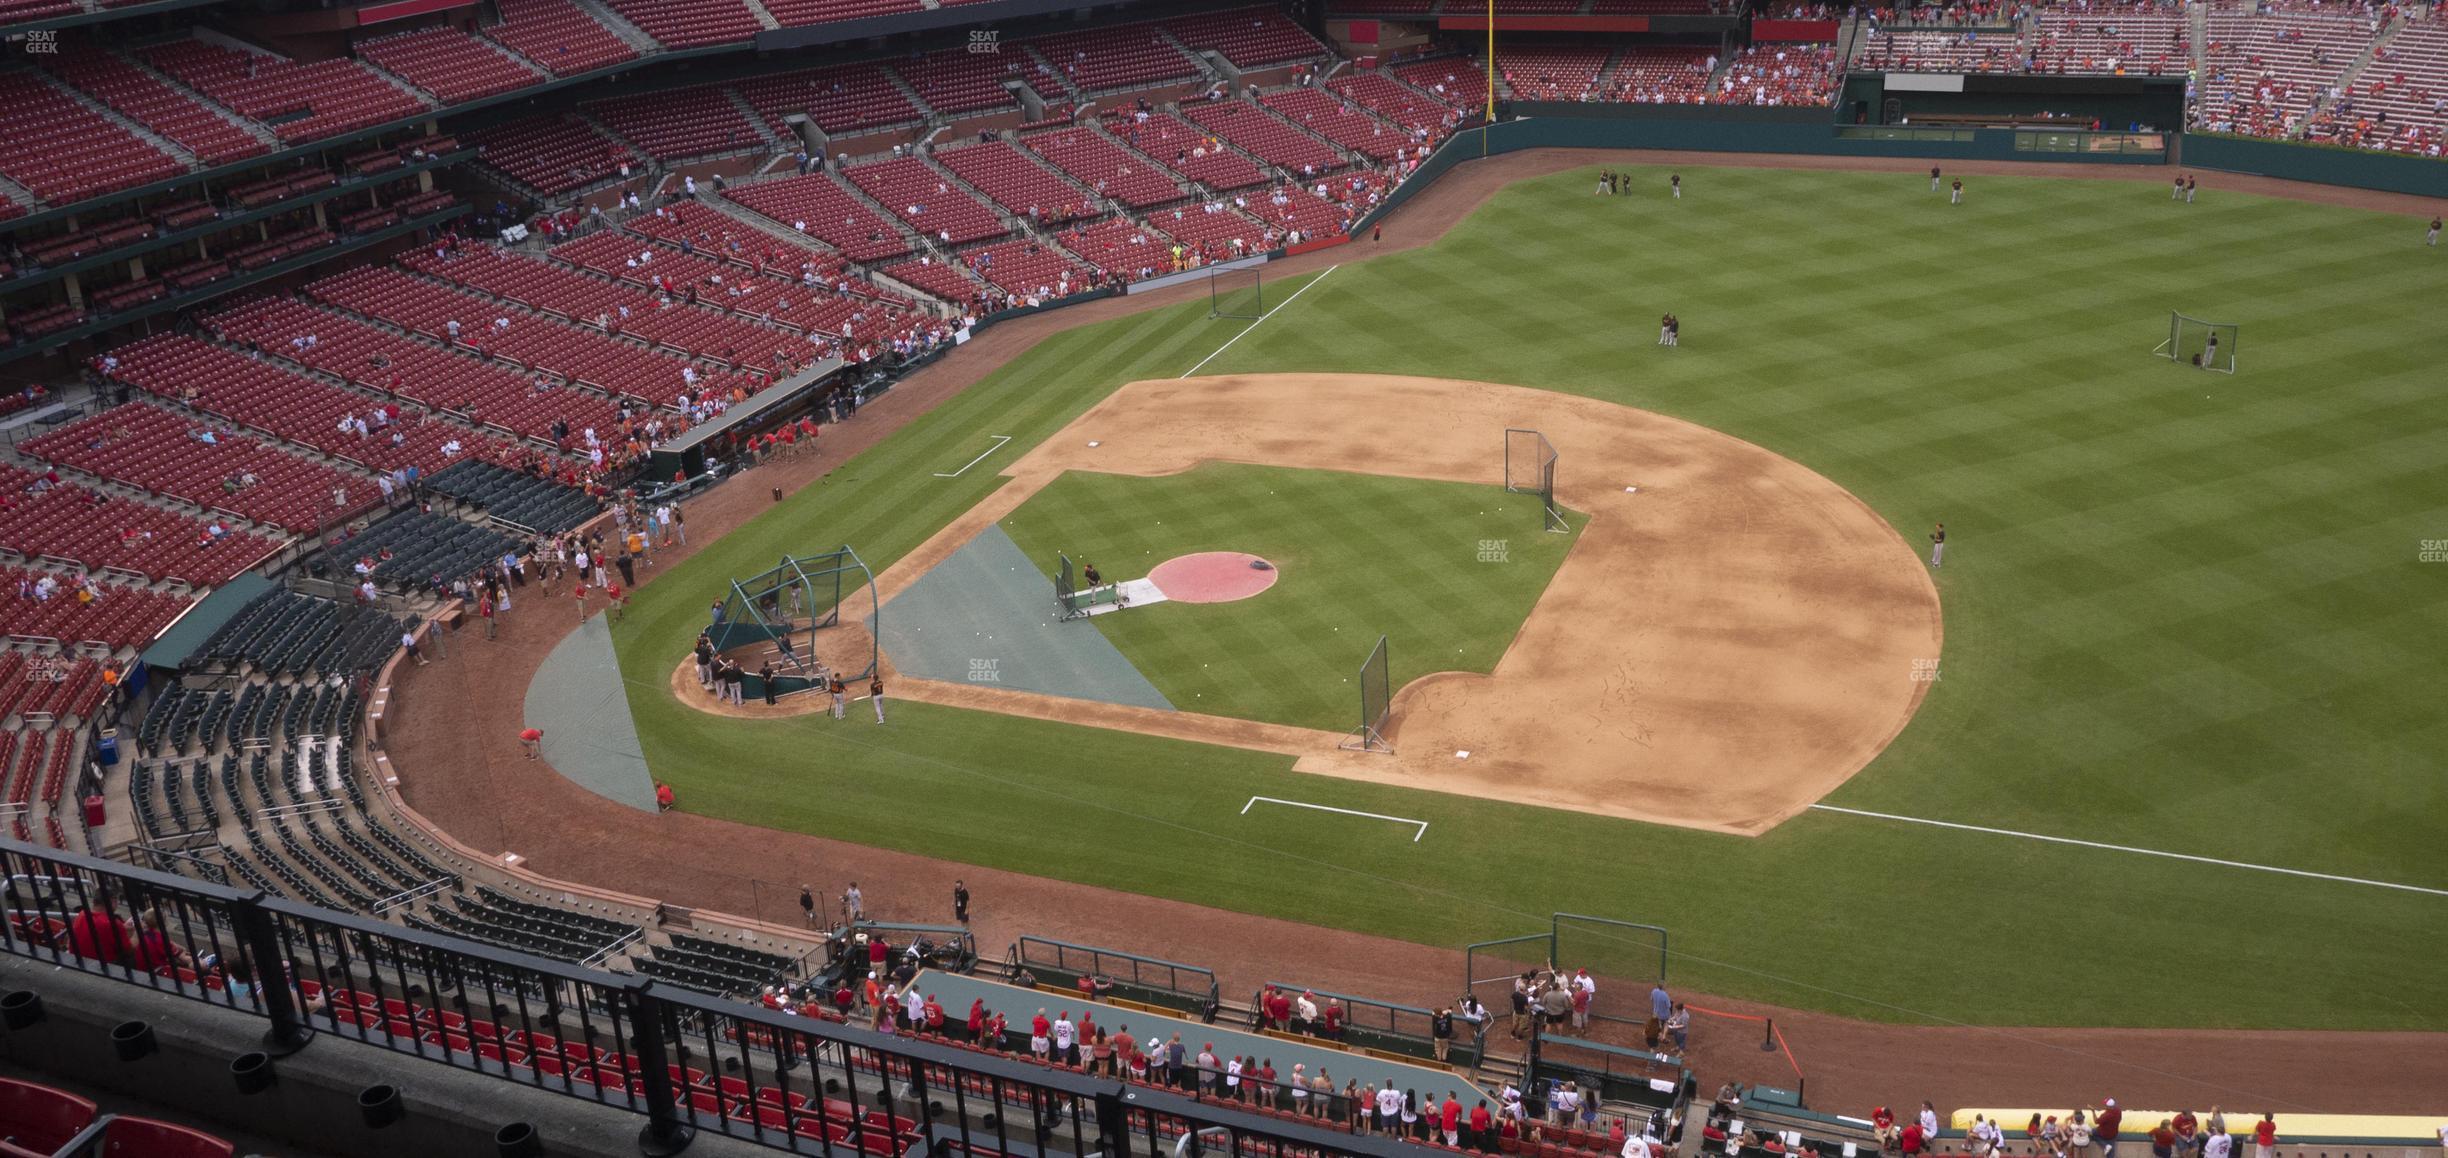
x=98 y=935
x=2265 y=1137
x=1333 y=1020
x=1911 y=1142
x=1449 y=1119
x=1480 y=1139
x=977 y=1018
x=2188 y=1132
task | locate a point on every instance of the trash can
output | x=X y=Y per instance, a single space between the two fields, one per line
x=106 y=749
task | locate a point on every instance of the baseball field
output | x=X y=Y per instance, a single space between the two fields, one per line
x=2191 y=623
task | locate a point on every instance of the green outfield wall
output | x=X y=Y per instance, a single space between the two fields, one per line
x=2391 y=172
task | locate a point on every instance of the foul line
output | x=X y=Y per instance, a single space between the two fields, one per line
x=1415 y=837
x=1000 y=439
x=1260 y=322
x=2265 y=868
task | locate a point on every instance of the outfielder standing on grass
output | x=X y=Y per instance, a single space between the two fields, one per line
x=1937 y=545
x=1957 y=199
x=2432 y=238
x=1675 y=182
x=1934 y=179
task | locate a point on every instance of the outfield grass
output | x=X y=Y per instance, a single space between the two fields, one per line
x=1356 y=555
x=2183 y=611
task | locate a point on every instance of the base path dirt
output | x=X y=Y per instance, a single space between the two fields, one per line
x=451 y=735
x=1730 y=639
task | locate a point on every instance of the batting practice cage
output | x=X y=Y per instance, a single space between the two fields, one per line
x=790 y=605
x=1530 y=469
x=1376 y=703
x=2192 y=341
x=1237 y=293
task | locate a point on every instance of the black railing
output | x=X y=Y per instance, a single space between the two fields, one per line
x=683 y=1061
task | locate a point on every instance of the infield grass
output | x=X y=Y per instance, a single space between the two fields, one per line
x=1451 y=569
x=2184 y=611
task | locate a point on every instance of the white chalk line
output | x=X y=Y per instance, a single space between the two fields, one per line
x=999 y=440
x=1415 y=837
x=1260 y=322
x=2264 y=868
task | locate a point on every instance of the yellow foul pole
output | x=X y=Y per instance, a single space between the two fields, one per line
x=1491 y=79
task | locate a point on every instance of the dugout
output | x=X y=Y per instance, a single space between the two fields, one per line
x=765 y=410
x=1150 y=981
x=1384 y=1029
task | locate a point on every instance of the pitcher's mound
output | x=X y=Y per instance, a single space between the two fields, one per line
x=1213 y=577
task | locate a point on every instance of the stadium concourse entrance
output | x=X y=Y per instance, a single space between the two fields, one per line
x=791 y=616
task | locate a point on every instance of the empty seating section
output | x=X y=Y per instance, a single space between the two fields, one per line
x=926 y=202
x=1340 y=121
x=689 y=23
x=1119 y=245
x=1264 y=137
x=380 y=360
x=2139 y=38
x=2266 y=71
x=826 y=211
x=2397 y=102
x=1126 y=56
x=1025 y=266
x=846 y=98
x=793 y=13
x=1021 y=186
x=1673 y=76
x=162 y=452
x=116 y=616
x=284 y=633
x=687 y=330
x=300 y=102
x=531 y=341
x=957 y=80
x=140 y=96
x=1779 y=74
x=63 y=151
x=553 y=153
x=1457 y=81
x=1192 y=152
x=13 y=11
x=1650 y=7
x=1248 y=37
x=448 y=63
x=1537 y=6
x=1554 y=73
x=941 y=279
x=558 y=35
x=678 y=123
x=66 y=522
x=1909 y=50
x=295 y=407
x=75 y=688
x=538 y=504
x=1393 y=100
x=1105 y=167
